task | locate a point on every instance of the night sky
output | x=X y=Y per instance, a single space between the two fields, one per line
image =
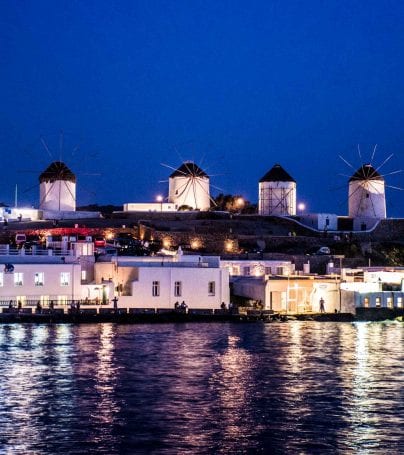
x=236 y=86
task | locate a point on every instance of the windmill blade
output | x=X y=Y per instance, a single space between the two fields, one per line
x=163 y=181
x=373 y=154
x=46 y=146
x=360 y=155
x=345 y=175
x=217 y=187
x=173 y=168
x=31 y=188
x=346 y=162
x=184 y=184
x=395 y=187
x=187 y=190
x=391 y=173
x=385 y=161
x=337 y=188
x=61 y=141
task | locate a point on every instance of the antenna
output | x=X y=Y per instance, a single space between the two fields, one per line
x=16 y=196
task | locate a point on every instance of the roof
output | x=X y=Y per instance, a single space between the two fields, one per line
x=277 y=174
x=366 y=172
x=57 y=171
x=188 y=168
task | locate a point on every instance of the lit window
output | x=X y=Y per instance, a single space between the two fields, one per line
x=1 y=279
x=64 y=278
x=366 y=302
x=84 y=275
x=211 y=287
x=18 y=278
x=389 y=302
x=21 y=299
x=156 y=288
x=177 y=289
x=378 y=302
x=39 y=279
x=399 y=302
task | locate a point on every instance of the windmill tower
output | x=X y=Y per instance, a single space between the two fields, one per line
x=189 y=185
x=57 y=188
x=277 y=193
x=366 y=195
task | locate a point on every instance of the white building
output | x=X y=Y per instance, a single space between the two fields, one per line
x=253 y=267
x=373 y=287
x=189 y=186
x=366 y=198
x=277 y=193
x=160 y=282
x=294 y=294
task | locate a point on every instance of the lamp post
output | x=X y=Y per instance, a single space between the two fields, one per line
x=159 y=198
x=301 y=207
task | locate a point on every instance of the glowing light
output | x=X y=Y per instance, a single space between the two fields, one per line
x=159 y=198
x=195 y=244
x=301 y=206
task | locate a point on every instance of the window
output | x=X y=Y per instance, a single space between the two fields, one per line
x=39 y=279
x=378 y=302
x=156 y=288
x=399 y=302
x=64 y=278
x=1 y=279
x=389 y=302
x=366 y=302
x=84 y=275
x=18 y=278
x=267 y=270
x=211 y=288
x=21 y=299
x=247 y=271
x=177 y=288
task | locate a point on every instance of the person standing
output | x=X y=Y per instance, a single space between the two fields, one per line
x=322 y=309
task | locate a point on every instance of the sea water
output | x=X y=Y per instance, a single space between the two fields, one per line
x=221 y=388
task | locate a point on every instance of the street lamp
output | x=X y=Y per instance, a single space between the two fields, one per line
x=301 y=206
x=159 y=198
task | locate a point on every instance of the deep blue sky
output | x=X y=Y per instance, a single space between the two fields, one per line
x=236 y=86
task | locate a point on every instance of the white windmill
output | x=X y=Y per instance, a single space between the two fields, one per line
x=366 y=190
x=57 y=188
x=277 y=193
x=189 y=186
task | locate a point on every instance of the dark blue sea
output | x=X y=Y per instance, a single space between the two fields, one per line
x=292 y=388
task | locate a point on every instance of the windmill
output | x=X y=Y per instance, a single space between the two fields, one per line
x=277 y=193
x=189 y=185
x=57 y=188
x=57 y=183
x=366 y=189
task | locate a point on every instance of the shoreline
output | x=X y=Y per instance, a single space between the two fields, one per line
x=175 y=317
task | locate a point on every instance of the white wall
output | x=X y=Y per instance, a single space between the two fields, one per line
x=277 y=198
x=367 y=199
x=59 y=195
x=185 y=191
x=51 y=285
x=194 y=287
x=149 y=207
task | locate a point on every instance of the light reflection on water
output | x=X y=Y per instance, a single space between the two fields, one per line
x=300 y=387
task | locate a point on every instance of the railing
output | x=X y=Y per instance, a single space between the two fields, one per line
x=13 y=303
x=5 y=250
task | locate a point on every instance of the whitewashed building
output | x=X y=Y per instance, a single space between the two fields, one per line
x=254 y=267
x=160 y=282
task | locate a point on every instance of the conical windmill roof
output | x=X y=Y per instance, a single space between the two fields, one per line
x=277 y=174
x=57 y=171
x=189 y=169
x=366 y=172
